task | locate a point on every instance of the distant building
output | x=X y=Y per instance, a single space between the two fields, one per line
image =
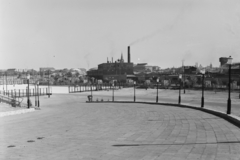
x=190 y=70
x=143 y=67
x=118 y=70
x=46 y=71
x=112 y=71
x=223 y=60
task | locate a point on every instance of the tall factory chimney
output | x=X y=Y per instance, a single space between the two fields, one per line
x=112 y=59
x=129 y=58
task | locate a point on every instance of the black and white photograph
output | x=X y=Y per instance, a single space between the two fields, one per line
x=119 y=80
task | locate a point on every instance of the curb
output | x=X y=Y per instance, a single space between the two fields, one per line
x=3 y=114
x=230 y=118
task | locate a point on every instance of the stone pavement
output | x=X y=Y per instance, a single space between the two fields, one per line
x=68 y=128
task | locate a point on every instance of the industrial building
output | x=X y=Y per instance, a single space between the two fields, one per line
x=113 y=70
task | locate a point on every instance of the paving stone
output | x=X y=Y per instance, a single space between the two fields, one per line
x=73 y=129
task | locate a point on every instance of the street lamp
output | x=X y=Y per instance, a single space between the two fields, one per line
x=91 y=91
x=35 y=94
x=157 y=91
x=203 y=76
x=229 y=62
x=179 y=97
x=6 y=81
x=113 y=92
x=48 y=83
x=134 y=98
x=28 y=101
x=183 y=76
x=38 y=103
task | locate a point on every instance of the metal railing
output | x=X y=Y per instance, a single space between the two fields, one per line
x=95 y=87
x=11 y=101
x=16 y=93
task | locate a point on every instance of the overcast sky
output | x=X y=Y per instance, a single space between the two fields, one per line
x=83 y=33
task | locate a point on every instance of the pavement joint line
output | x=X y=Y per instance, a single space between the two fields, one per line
x=129 y=145
x=228 y=117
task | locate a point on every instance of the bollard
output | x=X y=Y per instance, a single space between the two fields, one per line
x=90 y=98
x=13 y=102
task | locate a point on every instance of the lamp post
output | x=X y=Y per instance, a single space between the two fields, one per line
x=179 y=97
x=113 y=92
x=48 y=83
x=38 y=103
x=91 y=92
x=157 y=91
x=229 y=62
x=6 y=81
x=28 y=101
x=203 y=76
x=35 y=94
x=134 y=98
x=183 y=76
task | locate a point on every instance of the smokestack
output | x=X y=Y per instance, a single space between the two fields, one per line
x=112 y=59
x=129 y=58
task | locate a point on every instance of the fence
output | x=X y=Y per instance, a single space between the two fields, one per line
x=16 y=93
x=98 y=87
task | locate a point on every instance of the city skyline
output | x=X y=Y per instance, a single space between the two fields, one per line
x=82 y=34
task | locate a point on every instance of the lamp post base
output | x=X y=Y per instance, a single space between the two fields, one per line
x=157 y=99
x=202 y=102
x=179 y=100
x=229 y=106
x=28 y=103
x=134 y=98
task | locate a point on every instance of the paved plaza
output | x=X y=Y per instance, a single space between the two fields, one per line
x=67 y=127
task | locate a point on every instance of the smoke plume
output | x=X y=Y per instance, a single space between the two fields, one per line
x=86 y=58
x=168 y=27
